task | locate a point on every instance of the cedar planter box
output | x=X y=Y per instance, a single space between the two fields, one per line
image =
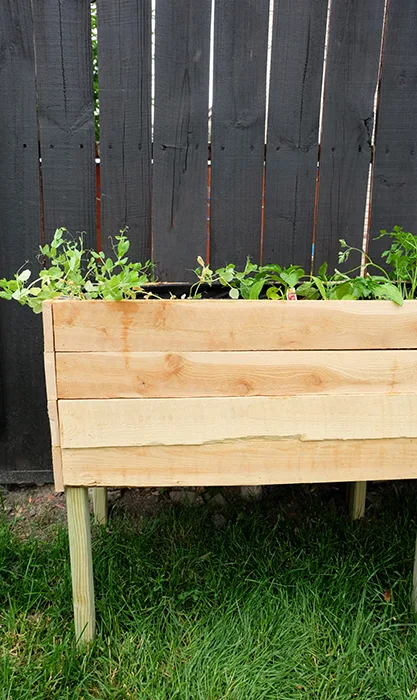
x=219 y=392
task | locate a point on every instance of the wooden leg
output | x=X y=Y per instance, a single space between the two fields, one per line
x=414 y=593
x=357 y=498
x=81 y=562
x=100 y=505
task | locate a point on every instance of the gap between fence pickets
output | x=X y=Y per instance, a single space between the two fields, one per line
x=51 y=392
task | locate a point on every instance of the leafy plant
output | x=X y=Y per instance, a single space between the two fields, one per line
x=402 y=257
x=71 y=271
x=251 y=281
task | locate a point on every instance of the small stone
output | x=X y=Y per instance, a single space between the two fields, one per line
x=219 y=500
x=189 y=496
x=175 y=496
x=251 y=493
x=113 y=495
x=219 y=521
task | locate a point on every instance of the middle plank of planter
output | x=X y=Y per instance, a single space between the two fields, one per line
x=209 y=392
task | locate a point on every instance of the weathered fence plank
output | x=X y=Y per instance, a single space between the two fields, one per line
x=24 y=434
x=352 y=70
x=124 y=75
x=298 y=37
x=62 y=33
x=395 y=171
x=180 y=135
x=238 y=129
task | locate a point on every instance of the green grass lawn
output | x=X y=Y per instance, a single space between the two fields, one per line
x=286 y=601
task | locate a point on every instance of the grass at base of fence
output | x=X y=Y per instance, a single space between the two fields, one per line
x=290 y=602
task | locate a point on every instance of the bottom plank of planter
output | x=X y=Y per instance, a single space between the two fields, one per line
x=241 y=462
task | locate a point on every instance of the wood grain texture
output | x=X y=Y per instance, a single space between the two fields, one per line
x=57 y=466
x=62 y=35
x=48 y=327
x=54 y=423
x=100 y=505
x=352 y=70
x=357 y=500
x=251 y=463
x=238 y=129
x=81 y=563
x=395 y=170
x=24 y=443
x=168 y=375
x=293 y=124
x=180 y=136
x=219 y=325
x=124 y=74
x=136 y=422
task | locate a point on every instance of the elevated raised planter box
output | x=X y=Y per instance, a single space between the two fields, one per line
x=216 y=392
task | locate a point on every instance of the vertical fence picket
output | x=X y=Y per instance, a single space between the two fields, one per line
x=395 y=171
x=180 y=135
x=124 y=74
x=238 y=129
x=62 y=32
x=352 y=70
x=24 y=432
x=298 y=38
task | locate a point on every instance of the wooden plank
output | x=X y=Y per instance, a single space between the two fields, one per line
x=135 y=422
x=107 y=375
x=124 y=75
x=293 y=130
x=357 y=501
x=50 y=376
x=24 y=441
x=180 y=136
x=57 y=465
x=218 y=325
x=100 y=505
x=48 y=327
x=238 y=129
x=236 y=463
x=54 y=423
x=395 y=170
x=352 y=71
x=81 y=564
x=62 y=35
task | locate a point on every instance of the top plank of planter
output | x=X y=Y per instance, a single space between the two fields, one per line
x=227 y=325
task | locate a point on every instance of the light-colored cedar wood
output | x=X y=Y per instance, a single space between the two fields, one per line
x=100 y=505
x=104 y=375
x=57 y=467
x=239 y=462
x=357 y=500
x=54 y=423
x=48 y=326
x=50 y=375
x=135 y=422
x=219 y=325
x=81 y=563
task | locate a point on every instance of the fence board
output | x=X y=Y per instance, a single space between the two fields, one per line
x=24 y=437
x=180 y=135
x=352 y=71
x=293 y=129
x=395 y=172
x=124 y=75
x=62 y=33
x=238 y=129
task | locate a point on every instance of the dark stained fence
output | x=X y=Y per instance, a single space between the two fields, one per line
x=24 y=439
x=395 y=175
x=62 y=34
x=238 y=129
x=181 y=135
x=298 y=37
x=352 y=72
x=266 y=200
x=125 y=121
